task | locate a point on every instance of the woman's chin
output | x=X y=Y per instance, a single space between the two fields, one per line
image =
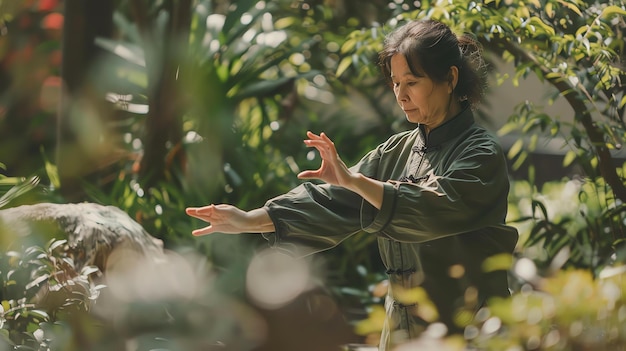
x=412 y=118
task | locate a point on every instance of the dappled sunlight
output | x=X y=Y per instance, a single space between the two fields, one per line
x=132 y=277
x=374 y=322
x=526 y=269
x=272 y=39
x=275 y=279
x=425 y=308
x=565 y=311
x=173 y=291
x=433 y=342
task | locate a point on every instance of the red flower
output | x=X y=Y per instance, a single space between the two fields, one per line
x=53 y=21
x=47 y=5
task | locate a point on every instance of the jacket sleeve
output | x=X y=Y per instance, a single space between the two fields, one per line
x=315 y=217
x=470 y=194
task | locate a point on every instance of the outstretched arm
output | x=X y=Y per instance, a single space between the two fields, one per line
x=231 y=220
x=335 y=172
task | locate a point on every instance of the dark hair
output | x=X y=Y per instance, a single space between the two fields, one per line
x=431 y=48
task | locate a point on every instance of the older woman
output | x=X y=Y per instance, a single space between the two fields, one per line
x=435 y=196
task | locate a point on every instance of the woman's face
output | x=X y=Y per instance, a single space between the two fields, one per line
x=422 y=100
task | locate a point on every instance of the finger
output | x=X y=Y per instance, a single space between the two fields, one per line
x=198 y=210
x=325 y=137
x=203 y=231
x=308 y=175
x=313 y=139
x=202 y=213
x=321 y=145
x=328 y=141
x=316 y=138
x=312 y=135
x=315 y=143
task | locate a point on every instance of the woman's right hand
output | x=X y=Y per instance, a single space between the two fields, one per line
x=230 y=219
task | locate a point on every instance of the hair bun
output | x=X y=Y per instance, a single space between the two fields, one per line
x=473 y=67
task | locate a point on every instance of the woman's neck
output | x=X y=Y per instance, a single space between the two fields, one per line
x=454 y=109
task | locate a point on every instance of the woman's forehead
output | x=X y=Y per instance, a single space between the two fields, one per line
x=399 y=66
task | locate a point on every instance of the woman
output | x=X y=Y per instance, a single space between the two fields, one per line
x=435 y=196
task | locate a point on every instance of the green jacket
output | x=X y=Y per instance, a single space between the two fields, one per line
x=442 y=215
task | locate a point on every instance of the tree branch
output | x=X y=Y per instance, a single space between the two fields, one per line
x=605 y=164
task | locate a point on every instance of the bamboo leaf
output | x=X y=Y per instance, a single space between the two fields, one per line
x=520 y=160
x=539 y=23
x=18 y=190
x=343 y=65
x=537 y=234
x=543 y=209
x=571 y=6
x=570 y=156
x=612 y=10
x=516 y=148
x=507 y=128
x=348 y=45
x=549 y=10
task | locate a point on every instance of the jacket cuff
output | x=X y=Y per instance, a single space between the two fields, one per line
x=273 y=238
x=383 y=216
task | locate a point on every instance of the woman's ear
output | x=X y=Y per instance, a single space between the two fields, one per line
x=453 y=78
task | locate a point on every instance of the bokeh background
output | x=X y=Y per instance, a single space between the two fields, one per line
x=153 y=106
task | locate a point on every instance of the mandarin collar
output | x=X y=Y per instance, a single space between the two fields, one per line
x=449 y=129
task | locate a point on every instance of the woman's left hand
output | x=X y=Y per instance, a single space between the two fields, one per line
x=332 y=169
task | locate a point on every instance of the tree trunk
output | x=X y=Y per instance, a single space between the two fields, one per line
x=164 y=58
x=84 y=21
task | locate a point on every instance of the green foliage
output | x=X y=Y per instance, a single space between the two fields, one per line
x=568 y=311
x=577 y=219
x=239 y=74
x=38 y=286
x=17 y=188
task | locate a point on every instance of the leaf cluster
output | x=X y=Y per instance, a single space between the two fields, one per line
x=38 y=287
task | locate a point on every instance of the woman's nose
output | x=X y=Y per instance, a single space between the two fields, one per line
x=401 y=95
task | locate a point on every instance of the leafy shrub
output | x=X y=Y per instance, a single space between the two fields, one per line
x=38 y=287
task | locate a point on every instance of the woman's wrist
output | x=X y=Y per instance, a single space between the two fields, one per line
x=259 y=221
x=370 y=189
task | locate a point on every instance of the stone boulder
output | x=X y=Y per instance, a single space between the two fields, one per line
x=92 y=231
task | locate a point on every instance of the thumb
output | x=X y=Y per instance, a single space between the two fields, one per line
x=307 y=175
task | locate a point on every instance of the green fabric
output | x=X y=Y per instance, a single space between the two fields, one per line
x=453 y=215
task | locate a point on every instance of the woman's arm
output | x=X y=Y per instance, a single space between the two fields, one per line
x=231 y=220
